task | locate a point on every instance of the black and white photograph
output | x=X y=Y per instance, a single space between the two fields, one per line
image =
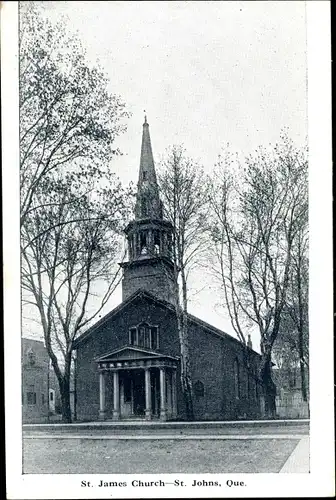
x=167 y=271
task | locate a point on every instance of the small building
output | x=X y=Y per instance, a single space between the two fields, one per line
x=128 y=363
x=39 y=385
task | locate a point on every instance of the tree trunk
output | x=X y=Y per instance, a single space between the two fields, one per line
x=269 y=388
x=302 y=367
x=300 y=332
x=64 y=387
x=65 y=401
x=186 y=382
x=185 y=370
x=303 y=380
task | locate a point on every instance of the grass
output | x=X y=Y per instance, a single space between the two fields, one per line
x=79 y=456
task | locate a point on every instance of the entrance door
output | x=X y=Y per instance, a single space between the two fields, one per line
x=139 y=394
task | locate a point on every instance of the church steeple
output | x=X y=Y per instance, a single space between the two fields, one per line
x=148 y=204
x=149 y=236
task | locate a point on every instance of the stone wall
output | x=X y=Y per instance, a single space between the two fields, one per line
x=212 y=359
x=150 y=275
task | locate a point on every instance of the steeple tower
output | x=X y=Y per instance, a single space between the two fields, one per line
x=149 y=236
x=148 y=202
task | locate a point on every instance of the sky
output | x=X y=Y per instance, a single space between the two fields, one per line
x=207 y=73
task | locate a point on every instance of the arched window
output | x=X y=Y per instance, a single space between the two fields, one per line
x=236 y=378
x=141 y=335
x=143 y=243
x=199 y=389
x=156 y=242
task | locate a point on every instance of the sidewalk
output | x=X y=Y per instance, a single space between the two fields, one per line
x=298 y=461
x=163 y=437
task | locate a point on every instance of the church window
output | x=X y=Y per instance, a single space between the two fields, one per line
x=141 y=334
x=144 y=335
x=236 y=378
x=132 y=336
x=144 y=175
x=199 y=389
x=154 y=337
x=147 y=338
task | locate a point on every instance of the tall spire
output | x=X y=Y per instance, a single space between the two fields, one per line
x=148 y=203
x=149 y=236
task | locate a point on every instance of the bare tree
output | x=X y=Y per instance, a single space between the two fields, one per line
x=69 y=269
x=298 y=304
x=67 y=115
x=183 y=188
x=72 y=207
x=258 y=210
x=293 y=337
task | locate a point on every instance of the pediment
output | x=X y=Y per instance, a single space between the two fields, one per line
x=129 y=352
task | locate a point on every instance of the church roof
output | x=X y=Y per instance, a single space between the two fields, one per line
x=163 y=303
x=132 y=352
x=148 y=202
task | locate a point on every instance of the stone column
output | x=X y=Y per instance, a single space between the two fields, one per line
x=138 y=246
x=174 y=394
x=135 y=245
x=169 y=386
x=116 y=397
x=150 y=242
x=148 y=411
x=164 y=244
x=102 y=388
x=161 y=242
x=163 y=410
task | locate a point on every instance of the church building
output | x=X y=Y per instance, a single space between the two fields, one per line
x=128 y=363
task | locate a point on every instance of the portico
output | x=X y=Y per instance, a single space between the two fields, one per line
x=137 y=383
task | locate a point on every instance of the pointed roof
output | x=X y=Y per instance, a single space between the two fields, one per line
x=131 y=352
x=146 y=158
x=163 y=303
x=148 y=202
